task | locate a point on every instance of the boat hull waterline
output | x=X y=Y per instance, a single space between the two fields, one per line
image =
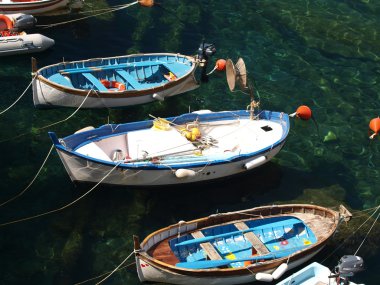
x=241 y=144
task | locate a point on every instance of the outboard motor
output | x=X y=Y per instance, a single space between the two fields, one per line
x=347 y=267
x=23 y=22
x=204 y=52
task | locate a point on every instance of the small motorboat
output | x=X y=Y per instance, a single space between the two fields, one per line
x=32 y=7
x=258 y=244
x=316 y=273
x=117 y=81
x=13 y=39
x=192 y=147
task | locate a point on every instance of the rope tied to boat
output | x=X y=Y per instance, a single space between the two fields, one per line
x=99 y=276
x=30 y=183
x=52 y=124
x=109 y=10
x=116 y=269
x=18 y=99
x=353 y=233
x=63 y=207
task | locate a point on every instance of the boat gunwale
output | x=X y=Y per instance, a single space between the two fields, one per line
x=258 y=267
x=152 y=166
x=116 y=93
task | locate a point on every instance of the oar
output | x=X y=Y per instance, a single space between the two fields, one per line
x=208 y=238
x=204 y=264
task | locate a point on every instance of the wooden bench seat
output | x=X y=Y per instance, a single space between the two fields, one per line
x=95 y=81
x=252 y=238
x=207 y=247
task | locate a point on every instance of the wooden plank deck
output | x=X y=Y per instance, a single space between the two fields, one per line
x=319 y=225
x=252 y=238
x=207 y=247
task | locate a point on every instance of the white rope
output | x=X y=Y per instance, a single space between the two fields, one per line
x=63 y=207
x=373 y=224
x=337 y=248
x=56 y=123
x=93 y=278
x=35 y=177
x=117 y=268
x=14 y=103
x=83 y=18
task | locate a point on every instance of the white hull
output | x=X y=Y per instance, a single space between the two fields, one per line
x=147 y=272
x=37 y=7
x=45 y=95
x=24 y=44
x=80 y=169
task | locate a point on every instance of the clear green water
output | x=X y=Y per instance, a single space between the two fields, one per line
x=324 y=54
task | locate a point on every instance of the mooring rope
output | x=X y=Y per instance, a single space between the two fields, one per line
x=52 y=124
x=23 y=93
x=83 y=18
x=97 y=277
x=373 y=224
x=30 y=184
x=116 y=269
x=63 y=207
x=342 y=243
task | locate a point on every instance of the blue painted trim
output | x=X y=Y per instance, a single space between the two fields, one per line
x=75 y=141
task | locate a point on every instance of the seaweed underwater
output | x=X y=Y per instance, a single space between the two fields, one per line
x=319 y=53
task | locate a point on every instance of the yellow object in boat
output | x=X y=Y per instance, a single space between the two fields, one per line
x=231 y=256
x=161 y=124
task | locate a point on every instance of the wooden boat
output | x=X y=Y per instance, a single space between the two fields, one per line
x=317 y=274
x=115 y=81
x=33 y=7
x=193 y=147
x=257 y=244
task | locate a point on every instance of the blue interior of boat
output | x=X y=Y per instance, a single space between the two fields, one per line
x=134 y=72
x=281 y=236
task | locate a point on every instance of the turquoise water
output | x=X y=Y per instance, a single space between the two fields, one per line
x=324 y=54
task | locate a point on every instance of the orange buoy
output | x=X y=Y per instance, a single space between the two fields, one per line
x=146 y=3
x=220 y=64
x=374 y=125
x=303 y=112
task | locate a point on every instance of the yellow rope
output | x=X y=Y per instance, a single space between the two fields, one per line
x=63 y=207
x=52 y=124
x=83 y=18
x=35 y=177
x=93 y=278
x=23 y=93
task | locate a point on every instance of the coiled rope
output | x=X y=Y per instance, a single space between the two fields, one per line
x=110 y=10
x=63 y=207
x=35 y=177
x=52 y=124
x=23 y=93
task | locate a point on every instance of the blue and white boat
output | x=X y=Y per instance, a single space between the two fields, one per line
x=116 y=81
x=258 y=244
x=192 y=147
